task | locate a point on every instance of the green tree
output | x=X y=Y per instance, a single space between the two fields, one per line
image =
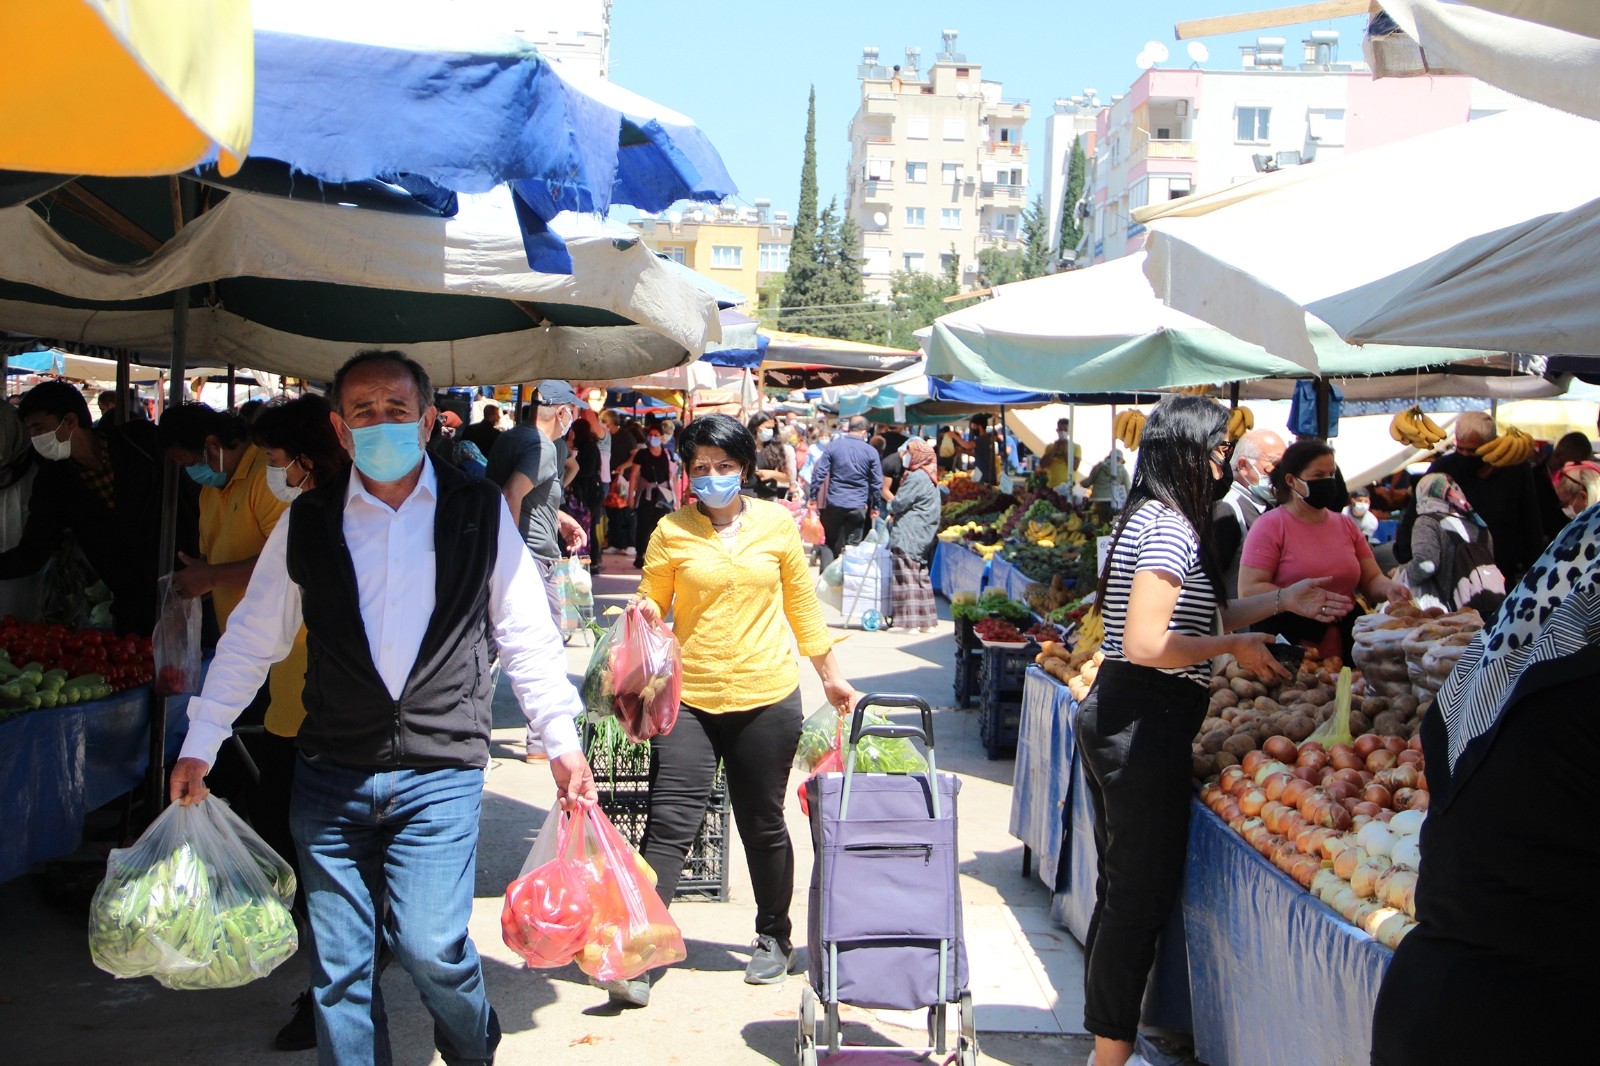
x=842 y=309
x=1071 y=224
x=917 y=298
x=997 y=266
x=803 y=279
x=1036 y=254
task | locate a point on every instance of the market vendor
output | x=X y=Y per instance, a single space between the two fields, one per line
x=1059 y=465
x=402 y=572
x=1160 y=596
x=102 y=486
x=1475 y=981
x=1306 y=535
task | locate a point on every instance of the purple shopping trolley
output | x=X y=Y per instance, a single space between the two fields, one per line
x=884 y=928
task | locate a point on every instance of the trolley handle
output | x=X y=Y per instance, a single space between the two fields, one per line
x=859 y=728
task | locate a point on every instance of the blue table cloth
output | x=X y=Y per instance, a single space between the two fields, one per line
x=1004 y=576
x=957 y=569
x=1247 y=945
x=58 y=765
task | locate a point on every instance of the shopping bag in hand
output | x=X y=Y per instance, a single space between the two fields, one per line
x=175 y=644
x=811 y=528
x=636 y=674
x=549 y=908
x=199 y=901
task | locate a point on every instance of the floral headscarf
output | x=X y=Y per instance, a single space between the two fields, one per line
x=921 y=456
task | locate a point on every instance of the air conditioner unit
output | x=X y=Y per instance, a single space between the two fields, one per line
x=1181 y=108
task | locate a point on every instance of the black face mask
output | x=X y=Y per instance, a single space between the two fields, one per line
x=1322 y=493
x=1221 y=485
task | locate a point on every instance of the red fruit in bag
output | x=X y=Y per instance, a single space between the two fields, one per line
x=548 y=914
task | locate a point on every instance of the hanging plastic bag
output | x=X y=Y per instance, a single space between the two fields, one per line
x=592 y=900
x=811 y=532
x=833 y=573
x=199 y=901
x=571 y=600
x=175 y=644
x=1336 y=730
x=821 y=749
x=636 y=674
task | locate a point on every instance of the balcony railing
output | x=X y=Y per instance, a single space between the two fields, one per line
x=992 y=191
x=1010 y=150
x=1154 y=149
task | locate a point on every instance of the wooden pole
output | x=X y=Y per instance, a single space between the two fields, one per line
x=1323 y=396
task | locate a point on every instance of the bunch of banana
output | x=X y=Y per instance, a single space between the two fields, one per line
x=1241 y=420
x=1129 y=427
x=1412 y=427
x=1511 y=448
x=1091 y=630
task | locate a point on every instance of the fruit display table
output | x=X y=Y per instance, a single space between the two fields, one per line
x=957 y=569
x=1249 y=946
x=58 y=765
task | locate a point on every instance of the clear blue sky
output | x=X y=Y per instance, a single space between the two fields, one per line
x=741 y=69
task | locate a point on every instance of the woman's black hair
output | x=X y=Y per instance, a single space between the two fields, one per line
x=1296 y=457
x=189 y=425
x=757 y=420
x=303 y=429
x=719 y=431
x=1173 y=468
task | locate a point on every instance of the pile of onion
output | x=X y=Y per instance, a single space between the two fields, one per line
x=1343 y=821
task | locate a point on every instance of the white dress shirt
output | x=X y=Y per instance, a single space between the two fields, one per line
x=393 y=553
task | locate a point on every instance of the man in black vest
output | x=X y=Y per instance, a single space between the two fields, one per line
x=1248 y=498
x=401 y=571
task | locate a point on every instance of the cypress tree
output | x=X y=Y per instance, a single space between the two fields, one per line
x=1071 y=224
x=801 y=283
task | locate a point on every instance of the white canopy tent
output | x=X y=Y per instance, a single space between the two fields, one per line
x=1399 y=207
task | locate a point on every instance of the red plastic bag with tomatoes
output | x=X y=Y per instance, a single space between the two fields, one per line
x=176 y=643
x=549 y=909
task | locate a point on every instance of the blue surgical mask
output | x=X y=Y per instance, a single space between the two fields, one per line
x=716 y=490
x=387 y=451
x=206 y=477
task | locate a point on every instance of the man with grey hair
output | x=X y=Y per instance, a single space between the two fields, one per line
x=1506 y=498
x=848 y=479
x=1255 y=456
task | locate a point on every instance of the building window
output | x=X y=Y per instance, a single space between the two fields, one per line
x=916 y=171
x=1005 y=134
x=674 y=253
x=916 y=217
x=912 y=261
x=1009 y=224
x=727 y=257
x=774 y=257
x=963 y=72
x=950 y=218
x=948 y=262
x=917 y=128
x=1254 y=124
x=1139 y=195
x=879 y=170
x=955 y=129
x=950 y=173
x=1326 y=126
x=875 y=261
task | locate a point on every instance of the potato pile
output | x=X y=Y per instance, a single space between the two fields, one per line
x=1075 y=669
x=1391 y=646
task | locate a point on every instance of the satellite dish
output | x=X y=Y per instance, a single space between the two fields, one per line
x=880 y=219
x=1156 y=51
x=961 y=90
x=1143 y=61
x=1199 y=52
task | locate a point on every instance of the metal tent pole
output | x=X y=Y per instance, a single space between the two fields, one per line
x=124 y=407
x=233 y=378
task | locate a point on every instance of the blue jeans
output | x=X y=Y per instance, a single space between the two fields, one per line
x=391 y=853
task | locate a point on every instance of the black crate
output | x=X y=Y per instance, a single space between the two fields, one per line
x=625 y=798
x=998 y=722
x=1004 y=670
x=967 y=636
x=967 y=665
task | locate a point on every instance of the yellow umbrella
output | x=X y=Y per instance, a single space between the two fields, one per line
x=125 y=88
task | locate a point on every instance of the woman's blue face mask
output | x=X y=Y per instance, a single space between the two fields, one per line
x=716 y=490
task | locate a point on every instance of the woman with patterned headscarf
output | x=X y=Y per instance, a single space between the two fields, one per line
x=915 y=514
x=1502 y=959
x=1452 y=553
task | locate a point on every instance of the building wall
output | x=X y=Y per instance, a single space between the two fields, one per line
x=938 y=166
x=577 y=32
x=1061 y=129
x=725 y=249
x=1235 y=115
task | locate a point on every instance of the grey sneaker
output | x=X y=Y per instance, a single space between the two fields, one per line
x=769 y=961
x=634 y=993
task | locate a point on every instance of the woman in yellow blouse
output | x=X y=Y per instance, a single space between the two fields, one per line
x=733 y=572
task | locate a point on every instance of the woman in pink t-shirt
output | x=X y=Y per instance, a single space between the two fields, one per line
x=1306 y=536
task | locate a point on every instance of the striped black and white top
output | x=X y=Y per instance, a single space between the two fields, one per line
x=1159 y=538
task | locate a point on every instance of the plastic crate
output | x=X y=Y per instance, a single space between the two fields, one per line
x=966 y=636
x=999 y=720
x=624 y=795
x=967 y=665
x=1004 y=670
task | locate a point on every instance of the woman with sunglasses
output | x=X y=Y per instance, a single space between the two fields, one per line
x=1305 y=535
x=1161 y=597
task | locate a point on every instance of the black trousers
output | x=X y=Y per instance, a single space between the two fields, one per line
x=647 y=514
x=756 y=749
x=1134 y=732
x=842 y=526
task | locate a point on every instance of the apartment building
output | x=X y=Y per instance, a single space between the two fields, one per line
x=741 y=247
x=1073 y=118
x=577 y=32
x=1176 y=130
x=938 y=165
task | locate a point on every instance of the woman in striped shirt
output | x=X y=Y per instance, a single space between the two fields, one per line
x=1166 y=617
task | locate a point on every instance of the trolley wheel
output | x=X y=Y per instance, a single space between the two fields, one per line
x=806 y=1039
x=966 y=1054
x=967 y=1024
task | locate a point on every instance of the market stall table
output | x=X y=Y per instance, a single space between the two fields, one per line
x=957 y=569
x=1249 y=946
x=1006 y=577
x=58 y=765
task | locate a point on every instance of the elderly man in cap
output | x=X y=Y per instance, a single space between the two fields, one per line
x=402 y=570
x=527 y=462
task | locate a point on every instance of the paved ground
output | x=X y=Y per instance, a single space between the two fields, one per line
x=56 y=1008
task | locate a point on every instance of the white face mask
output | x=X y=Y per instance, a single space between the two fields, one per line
x=278 y=484
x=1570 y=512
x=1063 y=436
x=51 y=447
x=1358 y=509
